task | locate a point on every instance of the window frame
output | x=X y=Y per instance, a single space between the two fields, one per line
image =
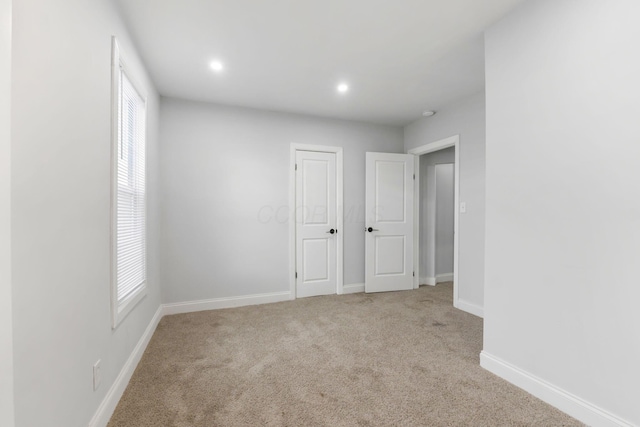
x=120 y=310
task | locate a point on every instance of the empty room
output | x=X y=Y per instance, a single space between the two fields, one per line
x=319 y=213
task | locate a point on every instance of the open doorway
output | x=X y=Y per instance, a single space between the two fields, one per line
x=443 y=230
x=436 y=214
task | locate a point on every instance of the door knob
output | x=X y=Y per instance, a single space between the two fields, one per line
x=332 y=231
x=370 y=229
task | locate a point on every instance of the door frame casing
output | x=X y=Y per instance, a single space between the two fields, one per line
x=452 y=141
x=295 y=147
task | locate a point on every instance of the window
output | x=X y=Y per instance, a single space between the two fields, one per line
x=129 y=257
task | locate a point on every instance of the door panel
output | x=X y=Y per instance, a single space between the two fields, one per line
x=315 y=191
x=389 y=205
x=316 y=255
x=316 y=215
x=390 y=256
x=389 y=193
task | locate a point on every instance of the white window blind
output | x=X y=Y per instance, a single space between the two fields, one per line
x=129 y=201
x=130 y=219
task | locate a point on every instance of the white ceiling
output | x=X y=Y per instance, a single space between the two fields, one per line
x=399 y=57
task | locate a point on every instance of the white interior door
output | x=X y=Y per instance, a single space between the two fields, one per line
x=316 y=222
x=389 y=227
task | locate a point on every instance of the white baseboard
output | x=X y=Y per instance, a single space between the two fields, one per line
x=446 y=277
x=431 y=281
x=474 y=309
x=110 y=401
x=578 y=408
x=229 y=302
x=353 y=288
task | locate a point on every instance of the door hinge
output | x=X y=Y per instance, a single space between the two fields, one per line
x=414 y=274
x=296 y=166
x=296 y=274
x=414 y=176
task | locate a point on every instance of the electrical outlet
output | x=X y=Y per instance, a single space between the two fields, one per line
x=97 y=375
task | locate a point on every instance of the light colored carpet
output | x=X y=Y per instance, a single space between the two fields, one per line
x=392 y=359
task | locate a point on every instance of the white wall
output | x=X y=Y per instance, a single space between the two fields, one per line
x=563 y=212
x=60 y=171
x=427 y=223
x=6 y=324
x=225 y=192
x=444 y=218
x=467 y=119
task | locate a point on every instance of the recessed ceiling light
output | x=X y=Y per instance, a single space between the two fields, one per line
x=216 y=66
x=428 y=113
x=343 y=88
